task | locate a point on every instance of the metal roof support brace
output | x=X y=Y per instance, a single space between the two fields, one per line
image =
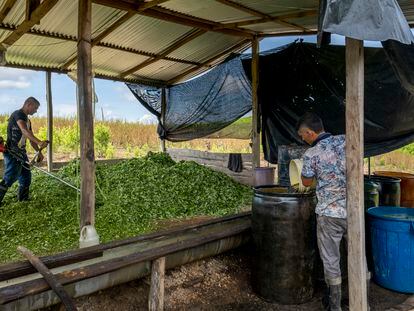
x=85 y=111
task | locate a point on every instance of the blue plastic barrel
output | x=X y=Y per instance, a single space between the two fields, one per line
x=392 y=237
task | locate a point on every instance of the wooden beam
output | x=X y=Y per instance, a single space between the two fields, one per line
x=176 y=17
x=49 y=121
x=266 y=17
x=49 y=277
x=85 y=111
x=208 y=62
x=289 y=33
x=102 y=36
x=6 y=8
x=24 y=27
x=65 y=37
x=283 y=17
x=31 y=5
x=255 y=105
x=184 y=40
x=151 y=4
x=156 y=293
x=355 y=174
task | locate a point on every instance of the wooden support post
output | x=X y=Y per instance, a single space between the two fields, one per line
x=255 y=104
x=355 y=174
x=156 y=294
x=163 y=107
x=49 y=121
x=85 y=110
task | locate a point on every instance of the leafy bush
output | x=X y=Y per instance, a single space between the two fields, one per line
x=102 y=139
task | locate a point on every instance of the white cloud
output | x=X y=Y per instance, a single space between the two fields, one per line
x=10 y=84
x=11 y=78
x=148 y=119
x=129 y=97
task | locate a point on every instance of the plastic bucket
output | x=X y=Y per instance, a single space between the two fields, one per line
x=264 y=176
x=392 y=244
x=295 y=175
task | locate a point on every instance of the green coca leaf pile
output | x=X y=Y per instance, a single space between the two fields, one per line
x=132 y=197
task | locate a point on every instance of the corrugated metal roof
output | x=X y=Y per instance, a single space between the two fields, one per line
x=147 y=34
x=201 y=48
x=52 y=42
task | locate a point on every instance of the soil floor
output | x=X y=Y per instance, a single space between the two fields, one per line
x=218 y=283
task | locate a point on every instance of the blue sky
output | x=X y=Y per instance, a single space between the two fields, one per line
x=114 y=98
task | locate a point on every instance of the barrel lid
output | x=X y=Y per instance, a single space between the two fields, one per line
x=377 y=178
x=392 y=213
x=280 y=191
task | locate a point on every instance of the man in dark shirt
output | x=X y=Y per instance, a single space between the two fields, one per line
x=15 y=158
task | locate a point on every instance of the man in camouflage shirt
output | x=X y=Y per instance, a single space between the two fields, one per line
x=325 y=162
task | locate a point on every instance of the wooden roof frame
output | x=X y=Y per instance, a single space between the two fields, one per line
x=152 y=9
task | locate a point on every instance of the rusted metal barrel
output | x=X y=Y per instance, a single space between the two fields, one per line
x=407 y=186
x=283 y=227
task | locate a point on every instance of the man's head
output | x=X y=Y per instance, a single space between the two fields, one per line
x=30 y=106
x=309 y=127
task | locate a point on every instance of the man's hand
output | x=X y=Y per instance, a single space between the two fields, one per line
x=40 y=157
x=43 y=144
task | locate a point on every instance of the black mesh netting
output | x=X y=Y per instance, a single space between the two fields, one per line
x=201 y=106
x=294 y=79
x=300 y=77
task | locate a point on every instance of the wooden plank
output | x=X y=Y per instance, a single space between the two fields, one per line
x=150 y=4
x=238 y=46
x=13 y=292
x=5 y=9
x=176 y=17
x=25 y=26
x=156 y=293
x=283 y=17
x=31 y=5
x=17 y=269
x=355 y=173
x=255 y=104
x=176 y=45
x=85 y=111
x=49 y=278
x=266 y=17
x=49 y=121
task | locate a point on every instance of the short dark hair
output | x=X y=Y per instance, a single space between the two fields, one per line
x=33 y=100
x=311 y=121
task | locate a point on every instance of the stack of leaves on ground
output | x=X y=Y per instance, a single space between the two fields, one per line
x=131 y=197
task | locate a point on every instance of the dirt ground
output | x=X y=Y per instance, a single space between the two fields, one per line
x=218 y=283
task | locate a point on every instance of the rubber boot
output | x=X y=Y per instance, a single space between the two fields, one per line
x=335 y=297
x=23 y=194
x=3 y=190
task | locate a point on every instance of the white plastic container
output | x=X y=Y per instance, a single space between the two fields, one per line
x=295 y=175
x=88 y=236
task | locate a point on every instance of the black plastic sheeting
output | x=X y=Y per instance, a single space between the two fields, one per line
x=375 y=20
x=201 y=106
x=300 y=77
